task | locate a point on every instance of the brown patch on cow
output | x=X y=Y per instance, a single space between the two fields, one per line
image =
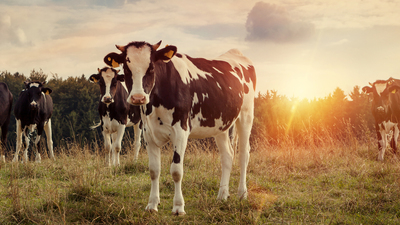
x=176 y=176
x=152 y=175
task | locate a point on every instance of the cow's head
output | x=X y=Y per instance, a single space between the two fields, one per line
x=36 y=91
x=138 y=59
x=382 y=91
x=107 y=78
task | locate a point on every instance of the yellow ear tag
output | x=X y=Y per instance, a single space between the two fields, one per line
x=169 y=54
x=114 y=64
x=94 y=79
x=47 y=92
x=109 y=59
x=394 y=91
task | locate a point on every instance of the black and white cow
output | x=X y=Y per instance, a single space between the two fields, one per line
x=6 y=100
x=183 y=97
x=386 y=111
x=33 y=111
x=115 y=113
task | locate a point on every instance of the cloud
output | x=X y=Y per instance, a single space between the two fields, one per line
x=9 y=33
x=269 y=22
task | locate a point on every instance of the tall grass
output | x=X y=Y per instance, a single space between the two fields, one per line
x=330 y=181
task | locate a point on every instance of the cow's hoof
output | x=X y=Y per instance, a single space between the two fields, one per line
x=151 y=209
x=223 y=194
x=178 y=213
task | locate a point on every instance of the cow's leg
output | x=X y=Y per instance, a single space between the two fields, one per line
x=226 y=153
x=19 y=140
x=38 y=159
x=155 y=167
x=116 y=144
x=3 y=142
x=382 y=143
x=138 y=133
x=49 y=138
x=244 y=124
x=107 y=147
x=176 y=170
x=26 y=135
x=394 y=138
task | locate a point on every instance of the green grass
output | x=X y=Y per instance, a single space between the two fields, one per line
x=287 y=185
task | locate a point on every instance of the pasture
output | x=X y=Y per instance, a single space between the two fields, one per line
x=333 y=183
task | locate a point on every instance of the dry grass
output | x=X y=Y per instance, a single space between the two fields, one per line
x=335 y=183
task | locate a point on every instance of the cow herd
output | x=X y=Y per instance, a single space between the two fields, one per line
x=172 y=97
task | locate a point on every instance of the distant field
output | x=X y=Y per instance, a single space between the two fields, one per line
x=329 y=184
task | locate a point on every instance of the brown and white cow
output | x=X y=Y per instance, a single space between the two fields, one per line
x=115 y=113
x=33 y=111
x=6 y=100
x=183 y=97
x=386 y=111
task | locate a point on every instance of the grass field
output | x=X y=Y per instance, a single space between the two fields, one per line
x=329 y=184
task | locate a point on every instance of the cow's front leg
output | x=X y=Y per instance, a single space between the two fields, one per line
x=177 y=173
x=155 y=168
x=107 y=147
x=137 y=134
x=382 y=143
x=394 y=138
x=116 y=144
x=19 y=140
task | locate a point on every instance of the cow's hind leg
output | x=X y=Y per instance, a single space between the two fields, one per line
x=49 y=138
x=226 y=153
x=244 y=124
x=38 y=159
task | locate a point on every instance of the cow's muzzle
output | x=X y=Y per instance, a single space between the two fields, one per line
x=107 y=100
x=138 y=99
x=33 y=105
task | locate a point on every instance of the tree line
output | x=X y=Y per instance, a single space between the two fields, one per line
x=278 y=118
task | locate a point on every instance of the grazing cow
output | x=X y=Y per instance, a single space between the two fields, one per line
x=6 y=100
x=183 y=97
x=386 y=111
x=33 y=111
x=115 y=113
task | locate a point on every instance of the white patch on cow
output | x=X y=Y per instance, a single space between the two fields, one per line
x=219 y=85
x=107 y=75
x=380 y=87
x=139 y=61
x=33 y=103
x=217 y=70
x=152 y=128
x=384 y=129
x=205 y=96
x=44 y=97
x=195 y=99
x=187 y=70
x=34 y=85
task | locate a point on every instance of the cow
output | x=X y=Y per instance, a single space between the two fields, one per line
x=32 y=112
x=183 y=97
x=6 y=100
x=115 y=113
x=386 y=111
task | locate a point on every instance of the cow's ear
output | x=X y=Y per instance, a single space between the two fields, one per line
x=47 y=91
x=166 y=53
x=94 y=78
x=121 y=77
x=367 y=89
x=114 y=59
x=394 y=89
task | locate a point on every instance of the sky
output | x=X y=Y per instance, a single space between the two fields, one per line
x=300 y=48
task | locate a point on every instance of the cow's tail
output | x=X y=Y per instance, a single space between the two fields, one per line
x=95 y=126
x=233 y=136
